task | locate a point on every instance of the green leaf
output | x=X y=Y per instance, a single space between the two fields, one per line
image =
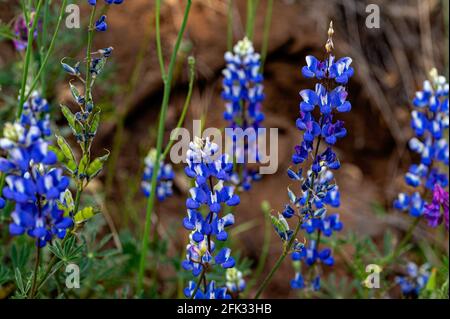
x=84 y=215
x=96 y=166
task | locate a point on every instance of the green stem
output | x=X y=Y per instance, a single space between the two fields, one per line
x=40 y=73
x=91 y=30
x=161 y=128
x=280 y=260
x=287 y=248
x=28 y=58
x=267 y=24
x=158 y=40
x=187 y=102
x=230 y=26
x=252 y=6
x=404 y=241
x=35 y=272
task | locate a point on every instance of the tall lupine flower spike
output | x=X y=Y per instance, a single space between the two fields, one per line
x=33 y=184
x=165 y=177
x=430 y=119
x=211 y=173
x=243 y=96
x=318 y=190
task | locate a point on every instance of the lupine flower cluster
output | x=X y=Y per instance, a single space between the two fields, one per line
x=243 y=94
x=430 y=118
x=211 y=172
x=32 y=181
x=414 y=281
x=164 y=179
x=319 y=192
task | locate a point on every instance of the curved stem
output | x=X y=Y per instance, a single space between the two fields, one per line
x=187 y=102
x=28 y=59
x=50 y=50
x=288 y=246
x=161 y=128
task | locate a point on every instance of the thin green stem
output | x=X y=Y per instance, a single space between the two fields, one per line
x=267 y=24
x=288 y=246
x=404 y=241
x=40 y=73
x=160 y=137
x=28 y=59
x=187 y=102
x=280 y=260
x=158 y=40
x=230 y=25
x=252 y=6
x=91 y=31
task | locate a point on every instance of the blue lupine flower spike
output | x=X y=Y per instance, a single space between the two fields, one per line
x=211 y=173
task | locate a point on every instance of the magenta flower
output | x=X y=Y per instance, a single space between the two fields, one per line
x=433 y=212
